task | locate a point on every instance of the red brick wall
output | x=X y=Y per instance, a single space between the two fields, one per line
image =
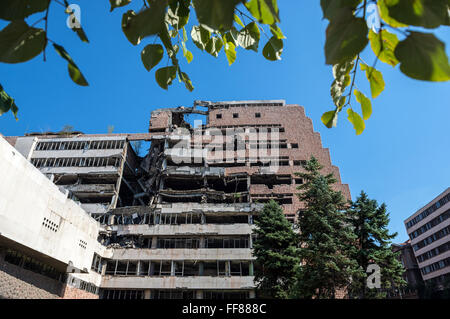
x=75 y=293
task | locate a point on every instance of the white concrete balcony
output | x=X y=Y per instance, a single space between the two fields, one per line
x=184 y=229
x=204 y=254
x=211 y=208
x=108 y=170
x=171 y=282
x=77 y=153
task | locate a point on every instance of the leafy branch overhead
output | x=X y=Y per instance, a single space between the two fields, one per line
x=420 y=54
x=165 y=32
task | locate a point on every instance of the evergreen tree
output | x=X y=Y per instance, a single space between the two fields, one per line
x=326 y=239
x=370 y=225
x=275 y=249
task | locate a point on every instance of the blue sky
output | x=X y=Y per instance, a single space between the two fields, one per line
x=400 y=159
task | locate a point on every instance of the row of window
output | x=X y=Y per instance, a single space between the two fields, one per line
x=178 y=268
x=79 y=145
x=239 y=129
x=83 y=285
x=428 y=211
x=122 y=294
x=168 y=243
x=436 y=266
x=228 y=105
x=170 y=219
x=76 y=162
x=16 y=258
x=430 y=239
x=176 y=243
x=434 y=252
x=430 y=224
x=236 y=115
x=172 y=294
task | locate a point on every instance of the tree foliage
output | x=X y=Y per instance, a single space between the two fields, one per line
x=370 y=224
x=327 y=240
x=275 y=249
x=421 y=55
x=225 y=25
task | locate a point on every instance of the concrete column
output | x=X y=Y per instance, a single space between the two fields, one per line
x=227 y=268
x=147 y=294
x=202 y=242
x=154 y=242
x=250 y=269
x=200 y=268
x=103 y=267
x=203 y=217
x=138 y=268
x=199 y=294
x=250 y=241
x=152 y=268
x=172 y=268
x=250 y=219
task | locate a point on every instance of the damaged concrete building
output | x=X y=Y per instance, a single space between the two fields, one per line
x=177 y=222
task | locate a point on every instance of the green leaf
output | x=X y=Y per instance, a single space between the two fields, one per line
x=232 y=36
x=118 y=3
x=216 y=14
x=273 y=49
x=74 y=72
x=151 y=55
x=185 y=38
x=330 y=118
x=342 y=80
x=79 y=31
x=383 y=45
x=265 y=11
x=185 y=79
x=186 y=53
x=331 y=7
x=346 y=37
x=147 y=22
x=248 y=38
x=214 y=46
x=19 y=42
x=375 y=79
x=178 y=14
x=230 y=52
x=7 y=103
x=165 y=76
x=424 y=13
x=366 y=105
x=276 y=31
x=384 y=15
x=238 y=21
x=200 y=36
x=12 y=10
x=81 y=34
x=422 y=57
x=356 y=120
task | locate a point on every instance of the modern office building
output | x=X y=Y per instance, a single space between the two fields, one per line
x=429 y=231
x=177 y=222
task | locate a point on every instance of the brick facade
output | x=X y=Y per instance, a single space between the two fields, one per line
x=19 y=283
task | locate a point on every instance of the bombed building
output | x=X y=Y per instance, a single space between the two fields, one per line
x=173 y=222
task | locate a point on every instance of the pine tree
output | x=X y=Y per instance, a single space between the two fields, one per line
x=370 y=225
x=326 y=239
x=275 y=249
